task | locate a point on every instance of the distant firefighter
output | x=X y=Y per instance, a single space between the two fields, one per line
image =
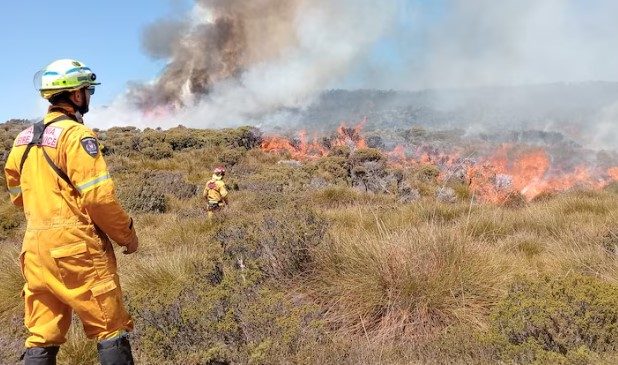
x=215 y=191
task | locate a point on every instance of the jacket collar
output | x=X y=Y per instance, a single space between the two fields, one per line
x=68 y=110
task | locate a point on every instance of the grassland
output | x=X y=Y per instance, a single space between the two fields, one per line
x=307 y=266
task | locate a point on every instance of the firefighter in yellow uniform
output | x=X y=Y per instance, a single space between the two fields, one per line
x=55 y=170
x=215 y=191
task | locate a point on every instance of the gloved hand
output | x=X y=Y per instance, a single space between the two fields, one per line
x=131 y=247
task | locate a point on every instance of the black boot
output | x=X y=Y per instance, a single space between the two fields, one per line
x=40 y=355
x=115 y=351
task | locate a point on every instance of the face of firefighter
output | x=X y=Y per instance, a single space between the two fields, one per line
x=81 y=98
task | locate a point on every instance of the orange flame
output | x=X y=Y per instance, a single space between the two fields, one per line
x=507 y=170
x=613 y=173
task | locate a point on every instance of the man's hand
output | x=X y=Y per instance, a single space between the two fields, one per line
x=131 y=247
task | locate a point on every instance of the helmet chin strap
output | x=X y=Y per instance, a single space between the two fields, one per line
x=81 y=109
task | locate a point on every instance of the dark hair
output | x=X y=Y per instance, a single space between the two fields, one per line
x=63 y=97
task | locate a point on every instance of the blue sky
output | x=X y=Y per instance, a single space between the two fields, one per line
x=103 y=34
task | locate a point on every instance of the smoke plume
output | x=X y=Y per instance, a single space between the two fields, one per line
x=234 y=60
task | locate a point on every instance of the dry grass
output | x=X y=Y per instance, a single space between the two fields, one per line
x=388 y=283
x=415 y=281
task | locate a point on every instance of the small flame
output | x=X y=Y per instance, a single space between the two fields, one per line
x=613 y=173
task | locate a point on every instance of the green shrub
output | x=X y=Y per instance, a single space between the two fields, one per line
x=142 y=198
x=220 y=316
x=158 y=151
x=181 y=138
x=231 y=157
x=10 y=218
x=334 y=168
x=556 y=318
x=365 y=155
x=278 y=239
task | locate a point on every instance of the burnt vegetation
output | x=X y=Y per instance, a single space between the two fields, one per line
x=316 y=256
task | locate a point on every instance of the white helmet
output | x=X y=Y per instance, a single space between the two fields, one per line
x=64 y=75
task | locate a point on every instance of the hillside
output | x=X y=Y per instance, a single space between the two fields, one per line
x=390 y=245
x=584 y=112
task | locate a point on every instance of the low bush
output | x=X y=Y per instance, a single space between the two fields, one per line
x=556 y=319
x=10 y=218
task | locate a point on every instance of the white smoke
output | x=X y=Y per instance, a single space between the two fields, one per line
x=472 y=43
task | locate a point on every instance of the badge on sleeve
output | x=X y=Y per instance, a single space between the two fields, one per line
x=91 y=145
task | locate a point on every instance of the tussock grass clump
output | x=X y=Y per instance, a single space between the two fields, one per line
x=78 y=350
x=440 y=213
x=336 y=196
x=12 y=331
x=11 y=282
x=414 y=282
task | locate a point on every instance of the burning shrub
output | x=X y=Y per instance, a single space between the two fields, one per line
x=556 y=318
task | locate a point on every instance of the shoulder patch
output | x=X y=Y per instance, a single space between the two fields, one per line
x=25 y=136
x=91 y=145
x=51 y=136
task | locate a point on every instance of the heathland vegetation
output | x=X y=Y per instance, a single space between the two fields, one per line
x=312 y=263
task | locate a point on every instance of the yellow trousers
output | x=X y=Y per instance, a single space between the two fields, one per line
x=62 y=278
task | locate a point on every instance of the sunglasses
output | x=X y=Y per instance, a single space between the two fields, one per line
x=90 y=90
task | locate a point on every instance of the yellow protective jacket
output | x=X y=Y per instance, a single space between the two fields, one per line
x=67 y=258
x=215 y=190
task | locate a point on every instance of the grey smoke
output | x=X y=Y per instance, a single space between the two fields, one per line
x=236 y=61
